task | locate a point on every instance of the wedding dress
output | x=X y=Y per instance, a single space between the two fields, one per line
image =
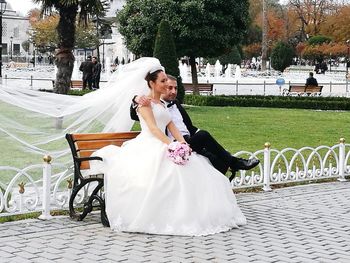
x=146 y=192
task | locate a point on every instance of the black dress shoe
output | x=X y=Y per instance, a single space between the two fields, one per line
x=233 y=175
x=243 y=164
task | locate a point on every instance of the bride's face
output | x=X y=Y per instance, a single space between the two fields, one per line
x=161 y=83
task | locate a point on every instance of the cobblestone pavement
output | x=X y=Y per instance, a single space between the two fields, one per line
x=308 y=223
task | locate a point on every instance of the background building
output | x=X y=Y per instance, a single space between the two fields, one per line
x=14 y=33
x=115 y=47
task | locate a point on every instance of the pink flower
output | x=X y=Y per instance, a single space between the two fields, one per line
x=178 y=152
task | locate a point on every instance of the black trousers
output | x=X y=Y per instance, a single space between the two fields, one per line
x=203 y=143
x=87 y=80
x=96 y=82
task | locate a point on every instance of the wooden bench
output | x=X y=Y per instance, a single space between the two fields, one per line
x=74 y=84
x=204 y=88
x=82 y=146
x=303 y=90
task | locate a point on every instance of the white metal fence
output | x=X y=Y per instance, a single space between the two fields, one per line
x=24 y=194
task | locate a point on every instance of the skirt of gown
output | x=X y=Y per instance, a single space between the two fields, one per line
x=146 y=192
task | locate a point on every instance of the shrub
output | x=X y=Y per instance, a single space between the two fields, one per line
x=317 y=103
x=165 y=51
x=282 y=56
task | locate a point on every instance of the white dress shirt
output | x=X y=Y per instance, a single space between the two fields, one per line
x=176 y=117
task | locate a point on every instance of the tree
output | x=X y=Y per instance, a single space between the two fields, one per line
x=201 y=28
x=68 y=11
x=282 y=56
x=165 y=51
x=312 y=14
x=337 y=25
x=318 y=40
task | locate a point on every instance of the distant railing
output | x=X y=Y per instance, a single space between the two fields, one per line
x=238 y=87
x=32 y=83
x=24 y=194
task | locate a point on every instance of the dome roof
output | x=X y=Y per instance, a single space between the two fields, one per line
x=9 y=7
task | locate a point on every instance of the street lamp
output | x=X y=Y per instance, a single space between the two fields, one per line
x=11 y=38
x=2 y=11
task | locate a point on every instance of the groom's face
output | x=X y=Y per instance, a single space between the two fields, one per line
x=171 y=91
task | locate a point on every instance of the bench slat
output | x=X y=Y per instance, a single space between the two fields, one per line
x=297 y=89
x=104 y=136
x=203 y=88
x=87 y=143
x=94 y=145
x=313 y=89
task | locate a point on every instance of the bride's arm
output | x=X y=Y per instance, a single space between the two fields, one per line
x=175 y=132
x=147 y=115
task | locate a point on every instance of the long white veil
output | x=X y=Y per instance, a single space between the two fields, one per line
x=34 y=123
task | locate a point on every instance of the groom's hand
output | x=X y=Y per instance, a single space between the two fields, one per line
x=143 y=100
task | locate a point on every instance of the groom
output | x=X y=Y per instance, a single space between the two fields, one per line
x=200 y=141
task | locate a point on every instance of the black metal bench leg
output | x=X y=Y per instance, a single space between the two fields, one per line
x=104 y=218
x=87 y=205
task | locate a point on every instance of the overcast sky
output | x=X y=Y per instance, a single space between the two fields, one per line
x=22 y=6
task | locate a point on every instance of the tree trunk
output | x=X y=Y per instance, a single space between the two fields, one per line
x=64 y=62
x=194 y=75
x=64 y=58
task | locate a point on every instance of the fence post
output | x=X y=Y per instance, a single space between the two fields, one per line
x=330 y=87
x=267 y=168
x=264 y=87
x=31 y=82
x=236 y=87
x=45 y=215
x=341 y=164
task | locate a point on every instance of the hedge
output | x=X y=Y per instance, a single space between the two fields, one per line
x=317 y=103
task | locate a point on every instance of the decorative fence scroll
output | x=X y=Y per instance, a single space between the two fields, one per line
x=45 y=187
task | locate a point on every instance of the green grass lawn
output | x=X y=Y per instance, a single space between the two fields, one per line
x=249 y=128
x=244 y=129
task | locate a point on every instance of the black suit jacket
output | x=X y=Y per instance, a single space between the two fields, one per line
x=311 y=81
x=186 y=118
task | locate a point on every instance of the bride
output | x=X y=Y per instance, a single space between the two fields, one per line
x=147 y=192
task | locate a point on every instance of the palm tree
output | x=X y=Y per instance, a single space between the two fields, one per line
x=69 y=11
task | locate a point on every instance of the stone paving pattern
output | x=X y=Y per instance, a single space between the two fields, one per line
x=309 y=223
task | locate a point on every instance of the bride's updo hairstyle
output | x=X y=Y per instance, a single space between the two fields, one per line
x=152 y=75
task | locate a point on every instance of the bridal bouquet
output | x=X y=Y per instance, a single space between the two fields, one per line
x=178 y=152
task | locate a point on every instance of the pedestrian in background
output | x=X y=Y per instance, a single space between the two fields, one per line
x=96 y=73
x=86 y=67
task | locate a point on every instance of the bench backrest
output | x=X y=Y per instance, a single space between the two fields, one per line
x=201 y=87
x=76 y=84
x=84 y=144
x=296 y=88
x=313 y=88
x=305 y=89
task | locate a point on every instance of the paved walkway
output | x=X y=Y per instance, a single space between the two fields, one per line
x=297 y=224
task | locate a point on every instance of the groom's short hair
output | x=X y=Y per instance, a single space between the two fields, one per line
x=171 y=77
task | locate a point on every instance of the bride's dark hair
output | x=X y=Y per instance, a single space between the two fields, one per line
x=152 y=76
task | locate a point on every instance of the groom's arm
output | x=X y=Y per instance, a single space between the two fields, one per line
x=133 y=106
x=136 y=101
